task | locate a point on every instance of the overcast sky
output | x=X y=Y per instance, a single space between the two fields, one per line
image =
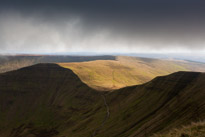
x=51 y=26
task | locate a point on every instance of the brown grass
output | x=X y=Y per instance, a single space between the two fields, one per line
x=196 y=129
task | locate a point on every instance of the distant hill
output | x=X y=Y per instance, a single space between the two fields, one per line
x=8 y=63
x=106 y=72
x=46 y=100
x=127 y=71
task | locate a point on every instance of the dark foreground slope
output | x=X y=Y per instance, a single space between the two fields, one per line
x=46 y=100
x=163 y=103
x=43 y=100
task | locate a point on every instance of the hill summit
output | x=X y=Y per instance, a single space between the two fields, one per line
x=43 y=99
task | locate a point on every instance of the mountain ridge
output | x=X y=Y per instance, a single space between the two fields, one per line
x=46 y=100
x=44 y=95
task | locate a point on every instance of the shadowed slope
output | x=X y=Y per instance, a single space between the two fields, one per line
x=158 y=105
x=46 y=100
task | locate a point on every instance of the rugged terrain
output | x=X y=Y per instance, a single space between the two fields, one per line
x=46 y=100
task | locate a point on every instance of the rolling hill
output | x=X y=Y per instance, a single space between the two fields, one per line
x=8 y=63
x=127 y=71
x=46 y=100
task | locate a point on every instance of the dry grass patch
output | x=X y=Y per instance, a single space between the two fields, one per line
x=193 y=130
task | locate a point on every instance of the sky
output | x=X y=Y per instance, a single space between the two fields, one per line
x=102 y=26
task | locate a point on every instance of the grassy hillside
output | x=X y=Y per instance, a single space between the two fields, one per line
x=127 y=71
x=46 y=100
x=196 y=129
x=158 y=105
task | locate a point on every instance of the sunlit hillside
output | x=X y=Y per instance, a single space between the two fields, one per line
x=127 y=71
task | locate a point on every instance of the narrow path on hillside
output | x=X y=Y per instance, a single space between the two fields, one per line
x=105 y=119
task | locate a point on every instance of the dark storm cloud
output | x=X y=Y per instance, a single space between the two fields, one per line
x=127 y=24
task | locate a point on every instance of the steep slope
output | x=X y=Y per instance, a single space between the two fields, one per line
x=158 y=105
x=46 y=100
x=127 y=71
